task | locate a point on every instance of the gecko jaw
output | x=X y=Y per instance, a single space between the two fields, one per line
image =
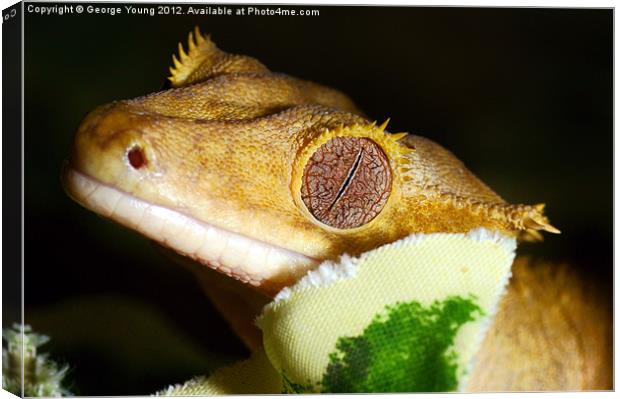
x=251 y=261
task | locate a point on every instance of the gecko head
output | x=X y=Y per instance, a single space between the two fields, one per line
x=264 y=203
x=262 y=176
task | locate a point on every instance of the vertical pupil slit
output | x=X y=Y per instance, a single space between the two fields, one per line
x=347 y=181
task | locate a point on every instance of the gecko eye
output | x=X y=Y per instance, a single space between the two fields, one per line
x=136 y=157
x=346 y=182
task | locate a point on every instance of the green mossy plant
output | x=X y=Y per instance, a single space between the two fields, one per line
x=42 y=377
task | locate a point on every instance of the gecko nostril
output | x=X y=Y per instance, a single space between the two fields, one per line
x=136 y=157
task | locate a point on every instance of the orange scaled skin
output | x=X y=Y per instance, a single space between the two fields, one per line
x=228 y=145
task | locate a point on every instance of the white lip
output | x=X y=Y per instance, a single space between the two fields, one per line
x=243 y=258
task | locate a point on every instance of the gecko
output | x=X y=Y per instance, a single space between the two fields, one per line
x=257 y=177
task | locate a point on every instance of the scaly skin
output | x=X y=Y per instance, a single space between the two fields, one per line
x=229 y=146
x=251 y=155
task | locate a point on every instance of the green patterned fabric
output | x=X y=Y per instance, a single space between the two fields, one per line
x=406 y=317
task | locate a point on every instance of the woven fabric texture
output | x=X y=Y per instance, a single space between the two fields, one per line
x=405 y=317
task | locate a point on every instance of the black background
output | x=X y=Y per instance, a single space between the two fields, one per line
x=11 y=165
x=522 y=96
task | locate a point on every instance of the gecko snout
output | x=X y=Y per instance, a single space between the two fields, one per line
x=110 y=147
x=136 y=156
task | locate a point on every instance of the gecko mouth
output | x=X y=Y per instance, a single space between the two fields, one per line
x=251 y=261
